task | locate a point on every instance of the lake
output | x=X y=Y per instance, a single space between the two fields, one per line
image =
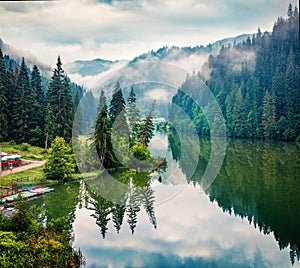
x=248 y=217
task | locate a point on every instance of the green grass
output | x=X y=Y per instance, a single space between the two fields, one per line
x=28 y=177
x=25 y=150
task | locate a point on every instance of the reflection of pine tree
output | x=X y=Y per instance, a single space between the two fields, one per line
x=133 y=209
x=147 y=199
x=294 y=254
x=102 y=209
x=118 y=215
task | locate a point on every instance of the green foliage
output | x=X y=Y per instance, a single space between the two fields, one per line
x=60 y=106
x=3 y=100
x=102 y=135
x=60 y=162
x=22 y=102
x=22 y=220
x=146 y=129
x=258 y=182
x=24 y=146
x=28 y=244
x=36 y=134
x=114 y=139
x=30 y=152
x=85 y=160
x=140 y=151
x=133 y=117
x=256 y=84
x=117 y=104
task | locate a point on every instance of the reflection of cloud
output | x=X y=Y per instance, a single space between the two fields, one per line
x=191 y=229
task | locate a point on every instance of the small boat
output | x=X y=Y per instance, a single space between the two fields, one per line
x=27 y=192
x=7 y=212
x=27 y=188
x=40 y=190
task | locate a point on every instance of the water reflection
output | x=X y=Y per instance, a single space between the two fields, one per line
x=139 y=196
x=260 y=182
x=60 y=203
x=249 y=217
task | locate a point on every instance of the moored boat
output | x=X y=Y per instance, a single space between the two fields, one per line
x=7 y=212
x=27 y=192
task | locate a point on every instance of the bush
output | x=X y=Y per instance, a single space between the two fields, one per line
x=24 y=146
x=60 y=163
x=140 y=152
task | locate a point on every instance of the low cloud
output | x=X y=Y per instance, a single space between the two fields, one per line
x=159 y=94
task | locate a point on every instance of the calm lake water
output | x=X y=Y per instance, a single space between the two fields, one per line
x=248 y=217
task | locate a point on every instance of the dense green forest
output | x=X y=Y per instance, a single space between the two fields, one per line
x=34 y=109
x=256 y=83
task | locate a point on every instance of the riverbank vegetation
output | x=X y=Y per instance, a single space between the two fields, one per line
x=121 y=137
x=26 y=242
x=26 y=150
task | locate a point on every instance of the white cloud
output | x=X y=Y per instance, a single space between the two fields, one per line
x=90 y=29
x=159 y=94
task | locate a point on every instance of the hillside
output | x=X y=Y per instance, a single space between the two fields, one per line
x=256 y=84
x=98 y=73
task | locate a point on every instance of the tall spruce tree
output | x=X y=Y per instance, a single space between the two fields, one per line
x=59 y=109
x=102 y=136
x=101 y=102
x=38 y=117
x=133 y=116
x=117 y=104
x=120 y=137
x=268 y=116
x=12 y=77
x=22 y=106
x=3 y=100
x=147 y=128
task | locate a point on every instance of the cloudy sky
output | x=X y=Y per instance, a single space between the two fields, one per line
x=122 y=29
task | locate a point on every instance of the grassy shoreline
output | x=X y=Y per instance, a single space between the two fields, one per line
x=26 y=150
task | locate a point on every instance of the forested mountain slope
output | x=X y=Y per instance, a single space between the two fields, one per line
x=256 y=83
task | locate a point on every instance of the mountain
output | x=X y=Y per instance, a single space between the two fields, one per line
x=155 y=75
x=89 y=72
x=256 y=84
x=17 y=55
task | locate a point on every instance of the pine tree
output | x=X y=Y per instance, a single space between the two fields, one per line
x=120 y=137
x=268 y=117
x=68 y=109
x=11 y=87
x=59 y=110
x=117 y=216
x=132 y=110
x=102 y=101
x=3 y=100
x=147 y=197
x=38 y=117
x=102 y=137
x=78 y=122
x=147 y=128
x=117 y=104
x=133 y=209
x=133 y=117
x=22 y=106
